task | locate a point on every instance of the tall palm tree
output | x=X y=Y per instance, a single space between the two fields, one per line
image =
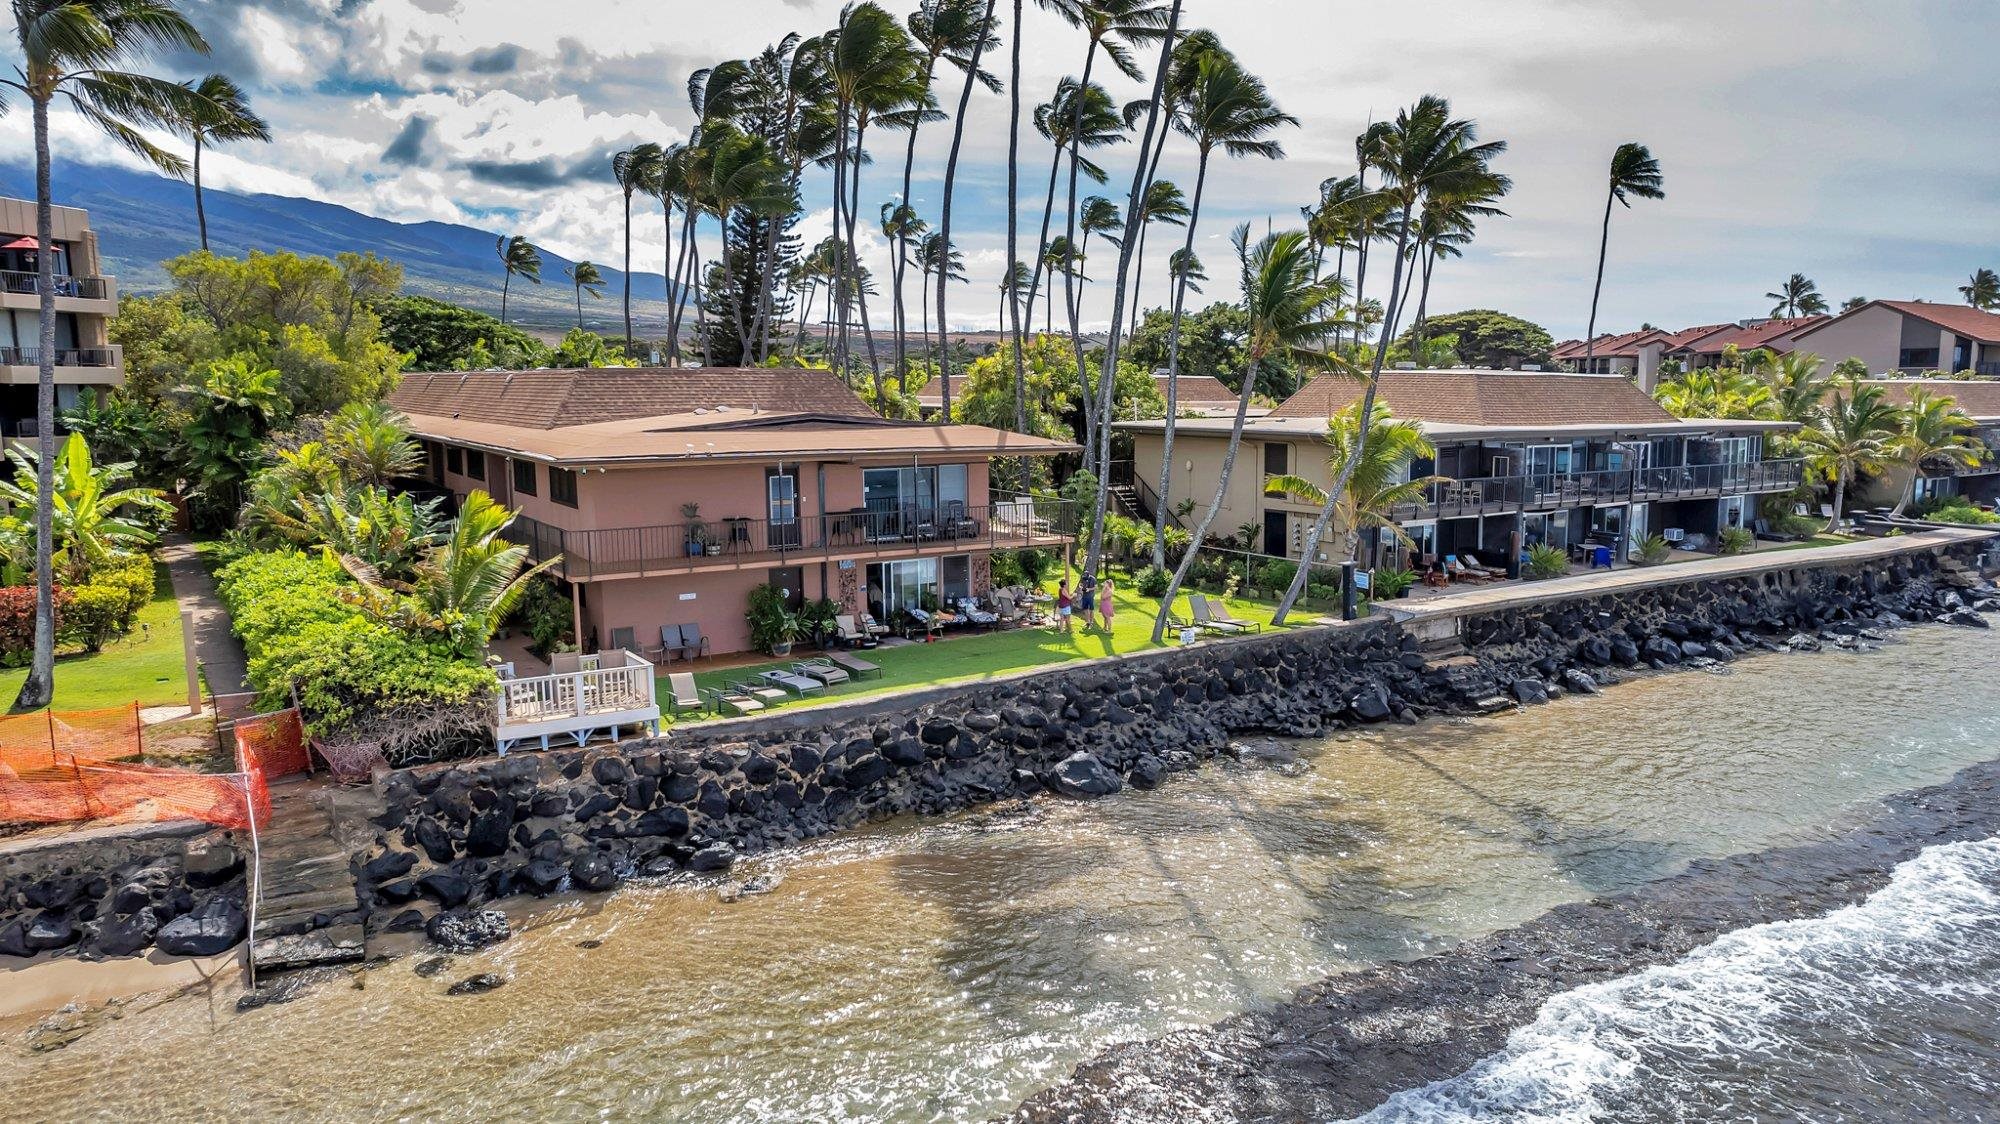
x=1291 y=317
x=743 y=174
x=1633 y=172
x=947 y=265
x=1377 y=485
x=518 y=258
x=585 y=277
x=217 y=113
x=1934 y=428
x=1217 y=104
x=1798 y=296
x=1013 y=284
x=1797 y=387
x=637 y=169
x=1853 y=435
x=980 y=35
x=1982 y=290
x=1164 y=204
x=1444 y=231
x=1425 y=154
x=1091 y=114
x=71 y=49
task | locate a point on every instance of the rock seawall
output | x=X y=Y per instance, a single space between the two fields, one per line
x=177 y=887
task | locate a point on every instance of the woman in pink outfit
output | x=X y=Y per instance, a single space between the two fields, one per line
x=1104 y=607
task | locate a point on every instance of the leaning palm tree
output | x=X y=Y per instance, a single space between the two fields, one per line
x=1014 y=283
x=1852 y=436
x=1090 y=113
x=1218 y=105
x=743 y=174
x=1378 y=484
x=1982 y=290
x=1164 y=204
x=1798 y=296
x=585 y=277
x=1290 y=317
x=1425 y=154
x=637 y=169
x=1934 y=429
x=1633 y=172
x=947 y=265
x=519 y=258
x=70 y=49
x=217 y=114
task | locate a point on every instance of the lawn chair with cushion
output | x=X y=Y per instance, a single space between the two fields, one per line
x=855 y=665
x=873 y=627
x=1204 y=617
x=976 y=616
x=792 y=681
x=682 y=693
x=1220 y=611
x=851 y=633
x=823 y=670
x=734 y=701
x=758 y=689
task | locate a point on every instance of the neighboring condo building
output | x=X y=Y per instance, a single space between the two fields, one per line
x=86 y=300
x=670 y=494
x=1910 y=337
x=1979 y=483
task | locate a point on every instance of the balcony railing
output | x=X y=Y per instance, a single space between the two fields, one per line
x=86 y=288
x=65 y=357
x=1552 y=491
x=604 y=691
x=731 y=542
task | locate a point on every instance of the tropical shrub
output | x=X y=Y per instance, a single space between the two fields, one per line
x=1004 y=569
x=1392 y=582
x=1654 y=549
x=1277 y=574
x=1958 y=509
x=1735 y=540
x=1545 y=561
x=1036 y=564
x=772 y=624
x=135 y=579
x=17 y=622
x=1152 y=582
x=544 y=614
x=95 y=613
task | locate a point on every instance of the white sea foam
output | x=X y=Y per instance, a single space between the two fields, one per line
x=1742 y=1027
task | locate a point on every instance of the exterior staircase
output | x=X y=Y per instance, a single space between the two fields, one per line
x=307 y=879
x=1126 y=499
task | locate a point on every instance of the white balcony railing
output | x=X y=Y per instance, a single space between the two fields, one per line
x=597 y=694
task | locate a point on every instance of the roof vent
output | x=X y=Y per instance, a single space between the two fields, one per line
x=1531 y=366
x=1406 y=366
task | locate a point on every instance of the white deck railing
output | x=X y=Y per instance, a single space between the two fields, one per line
x=600 y=692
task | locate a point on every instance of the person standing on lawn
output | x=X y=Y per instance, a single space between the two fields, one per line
x=1063 y=603
x=1089 y=597
x=1104 y=608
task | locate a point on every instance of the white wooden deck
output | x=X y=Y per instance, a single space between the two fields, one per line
x=592 y=695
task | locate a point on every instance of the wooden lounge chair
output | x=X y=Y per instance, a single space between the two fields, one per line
x=855 y=665
x=1205 y=618
x=792 y=681
x=848 y=632
x=822 y=670
x=734 y=701
x=682 y=693
x=758 y=689
x=1222 y=615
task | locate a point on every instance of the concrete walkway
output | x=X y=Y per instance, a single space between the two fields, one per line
x=216 y=648
x=1485 y=599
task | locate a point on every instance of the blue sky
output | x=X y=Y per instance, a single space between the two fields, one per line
x=1848 y=140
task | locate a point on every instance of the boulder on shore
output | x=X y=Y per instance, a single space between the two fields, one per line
x=1081 y=774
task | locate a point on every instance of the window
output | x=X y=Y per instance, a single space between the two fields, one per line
x=562 y=486
x=524 y=477
x=434 y=462
x=454 y=460
x=1277 y=458
x=957 y=577
x=896 y=586
x=475 y=464
x=1926 y=357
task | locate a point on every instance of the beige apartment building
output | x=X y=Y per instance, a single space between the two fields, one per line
x=86 y=300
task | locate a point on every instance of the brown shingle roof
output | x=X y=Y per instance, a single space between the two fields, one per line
x=1961 y=318
x=1497 y=398
x=553 y=399
x=1197 y=390
x=1766 y=334
x=1979 y=398
x=1606 y=346
x=732 y=436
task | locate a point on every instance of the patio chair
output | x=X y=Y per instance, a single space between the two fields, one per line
x=792 y=681
x=682 y=693
x=624 y=640
x=920 y=621
x=823 y=670
x=1220 y=611
x=848 y=632
x=855 y=665
x=758 y=689
x=682 y=641
x=919 y=524
x=873 y=627
x=1475 y=566
x=734 y=701
x=976 y=616
x=1006 y=610
x=1205 y=618
x=956 y=523
x=566 y=663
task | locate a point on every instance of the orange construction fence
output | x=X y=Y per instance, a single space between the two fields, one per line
x=37 y=741
x=273 y=745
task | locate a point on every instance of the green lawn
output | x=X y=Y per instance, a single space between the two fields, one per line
x=970 y=656
x=145 y=665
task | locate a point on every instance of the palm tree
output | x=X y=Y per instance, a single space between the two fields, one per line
x=1934 y=429
x=1291 y=316
x=948 y=266
x=1217 y=104
x=1798 y=296
x=70 y=49
x=1443 y=232
x=86 y=499
x=1013 y=284
x=1852 y=303
x=1090 y=112
x=585 y=277
x=1715 y=392
x=1425 y=154
x=370 y=443
x=1797 y=388
x=980 y=35
x=217 y=114
x=1633 y=172
x=743 y=174
x=637 y=169
x=1163 y=204
x=1983 y=290
x=518 y=257
x=1376 y=486
x=1853 y=435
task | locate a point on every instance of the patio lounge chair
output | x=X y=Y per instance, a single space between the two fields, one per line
x=734 y=701
x=873 y=627
x=848 y=632
x=976 y=616
x=1222 y=615
x=792 y=681
x=821 y=669
x=1475 y=566
x=682 y=693
x=1204 y=618
x=855 y=665
x=1765 y=532
x=758 y=689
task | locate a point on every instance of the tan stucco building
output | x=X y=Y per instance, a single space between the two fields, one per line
x=1909 y=337
x=86 y=300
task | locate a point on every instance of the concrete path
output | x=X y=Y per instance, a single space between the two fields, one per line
x=216 y=648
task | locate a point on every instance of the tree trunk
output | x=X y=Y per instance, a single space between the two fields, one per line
x=853 y=249
x=1603 y=245
x=944 y=225
x=1041 y=248
x=837 y=330
x=1214 y=506
x=200 y=210
x=1367 y=415
x=900 y=248
x=1089 y=399
x=579 y=312
x=506 y=280
x=628 y=279
x=667 y=259
x=1013 y=298
x=39 y=687
x=1174 y=371
x=1839 y=498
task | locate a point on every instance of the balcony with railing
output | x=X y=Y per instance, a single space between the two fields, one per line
x=733 y=543
x=65 y=357
x=26 y=283
x=599 y=694
x=1492 y=495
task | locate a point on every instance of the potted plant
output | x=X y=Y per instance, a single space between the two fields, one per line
x=773 y=625
x=1392 y=582
x=697 y=531
x=817 y=621
x=1545 y=561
